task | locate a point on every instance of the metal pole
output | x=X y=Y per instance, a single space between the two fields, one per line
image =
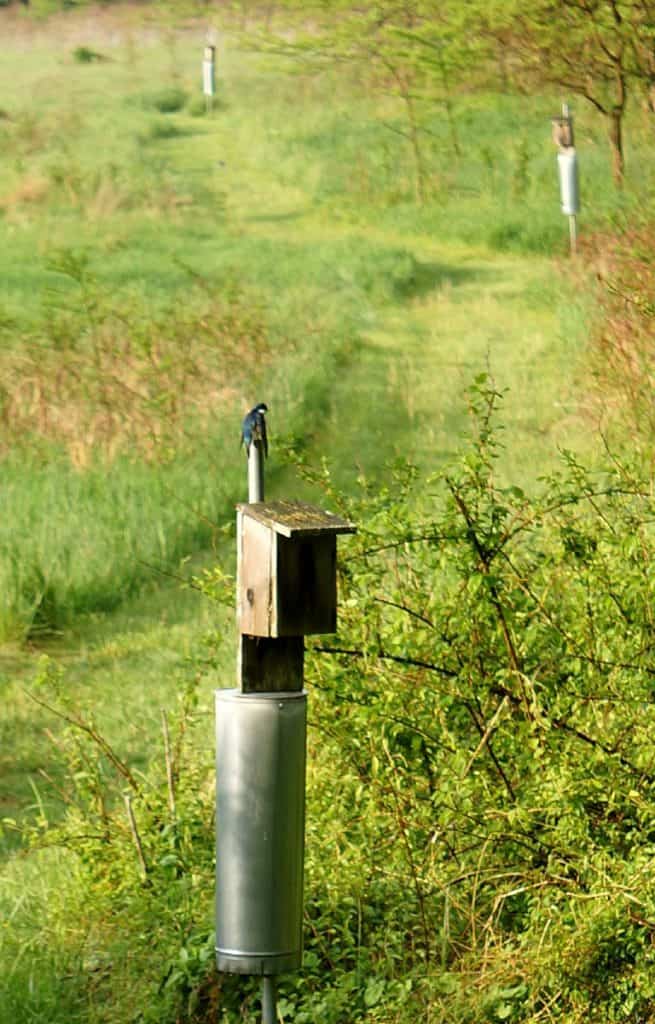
x=256 y=472
x=269 y=1010
x=256 y=493
x=573 y=234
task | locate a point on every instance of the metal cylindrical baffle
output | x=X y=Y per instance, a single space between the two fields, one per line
x=260 y=820
x=569 y=184
x=208 y=74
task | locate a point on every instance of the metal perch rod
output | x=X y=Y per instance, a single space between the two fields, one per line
x=256 y=472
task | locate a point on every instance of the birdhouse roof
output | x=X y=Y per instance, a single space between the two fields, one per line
x=296 y=518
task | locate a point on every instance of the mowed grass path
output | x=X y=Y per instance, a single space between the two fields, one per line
x=432 y=311
x=285 y=189
x=465 y=311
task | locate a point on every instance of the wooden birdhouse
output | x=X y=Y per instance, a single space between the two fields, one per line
x=562 y=131
x=287 y=569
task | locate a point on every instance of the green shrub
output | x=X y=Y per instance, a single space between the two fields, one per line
x=167 y=100
x=197 y=106
x=85 y=55
x=621 y=353
x=160 y=129
x=488 y=707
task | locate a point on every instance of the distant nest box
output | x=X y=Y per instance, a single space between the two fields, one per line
x=287 y=569
x=562 y=131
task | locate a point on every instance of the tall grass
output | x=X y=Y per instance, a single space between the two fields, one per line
x=79 y=542
x=147 y=285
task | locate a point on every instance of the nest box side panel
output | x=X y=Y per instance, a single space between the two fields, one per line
x=255 y=577
x=306 y=585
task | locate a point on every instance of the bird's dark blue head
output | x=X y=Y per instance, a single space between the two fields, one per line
x=253 y=427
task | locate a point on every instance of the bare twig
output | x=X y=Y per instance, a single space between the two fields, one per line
x=91 y=731
x=384 y=656
x=489 y=729
x=135 y=836
x=170 y=774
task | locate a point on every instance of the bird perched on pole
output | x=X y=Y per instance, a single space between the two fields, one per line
x=253 y=428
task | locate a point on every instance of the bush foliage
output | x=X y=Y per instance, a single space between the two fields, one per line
x=505 y=655
x=621 y=352
x=481 y=788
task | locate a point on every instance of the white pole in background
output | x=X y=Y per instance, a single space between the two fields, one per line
x=209 y=76
x=567 y=165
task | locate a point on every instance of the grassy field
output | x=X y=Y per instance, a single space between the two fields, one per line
x=161 y=270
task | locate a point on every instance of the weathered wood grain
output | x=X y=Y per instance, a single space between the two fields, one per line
x=271 y=664
x=305 y=587
x=254 y=577
x=292 y=518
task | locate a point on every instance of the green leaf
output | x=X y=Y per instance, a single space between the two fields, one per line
x=374 y=991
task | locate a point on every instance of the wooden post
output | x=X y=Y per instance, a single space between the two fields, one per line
x=271 y=664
